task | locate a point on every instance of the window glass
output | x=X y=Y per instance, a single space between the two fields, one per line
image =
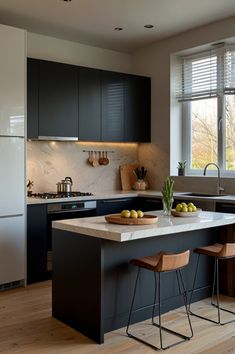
x=230 y=131
x=204 y=132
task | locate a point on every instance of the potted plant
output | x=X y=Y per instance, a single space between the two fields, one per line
x=181 y=168
x=167 y=194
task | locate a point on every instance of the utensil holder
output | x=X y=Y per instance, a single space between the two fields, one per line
x=140 y=185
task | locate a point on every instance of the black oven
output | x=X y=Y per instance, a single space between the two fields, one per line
x=66 y=210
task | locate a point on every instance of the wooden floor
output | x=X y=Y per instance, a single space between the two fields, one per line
x=26 y=326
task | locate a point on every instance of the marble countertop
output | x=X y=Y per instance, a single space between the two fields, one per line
x=128 y=194
x=98 y=227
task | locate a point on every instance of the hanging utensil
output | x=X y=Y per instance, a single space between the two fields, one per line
x=100 y=158
x=106 y=160
x=95 y=162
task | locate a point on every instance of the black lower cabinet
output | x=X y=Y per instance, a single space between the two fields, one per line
x=112 y=206
x=149 y=204
x=36 y=243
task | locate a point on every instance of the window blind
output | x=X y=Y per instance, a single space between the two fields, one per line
x=206 y=74
x=229 y=70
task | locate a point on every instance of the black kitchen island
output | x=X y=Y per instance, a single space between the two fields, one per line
x=92 y=281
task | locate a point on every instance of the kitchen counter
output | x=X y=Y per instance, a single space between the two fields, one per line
x=98 y=227
x=92 y=280
x=127 y=194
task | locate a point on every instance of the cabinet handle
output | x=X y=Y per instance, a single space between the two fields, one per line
x=117 y=200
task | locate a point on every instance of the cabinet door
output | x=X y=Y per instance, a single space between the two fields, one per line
x=36 y=243
x=58 y=100
x=149 y=204
x=12 y=81
x=89 y=104
x=12 y=250
x=111 y=206
x=112 y=106
x=32 y=97
x=137 y=109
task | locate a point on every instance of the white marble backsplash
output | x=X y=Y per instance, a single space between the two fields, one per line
x=50 y=162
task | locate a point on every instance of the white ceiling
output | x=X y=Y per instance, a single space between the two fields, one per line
x=92 y=21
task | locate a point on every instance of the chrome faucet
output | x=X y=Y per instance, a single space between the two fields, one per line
x=219 y=188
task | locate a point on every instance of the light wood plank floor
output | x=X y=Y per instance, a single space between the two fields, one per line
x=26 y=326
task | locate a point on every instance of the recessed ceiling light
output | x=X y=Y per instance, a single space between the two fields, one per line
x=118 y=29
x=66 y=0
x=148 y=26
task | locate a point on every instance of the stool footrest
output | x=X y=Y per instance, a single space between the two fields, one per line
x=213 y=321
x=185 y=338
x=171 y=331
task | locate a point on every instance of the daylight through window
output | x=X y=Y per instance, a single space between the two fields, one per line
x=206 y=89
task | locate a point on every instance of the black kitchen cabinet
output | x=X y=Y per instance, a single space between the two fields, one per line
x=225 y=208
x=149 y=204
x=32 y=98
x=112 y=106
x=112 y=206
x=92 y=105
x=137 y=102
x=89 y=104
x=36 y=243
x=58 y=100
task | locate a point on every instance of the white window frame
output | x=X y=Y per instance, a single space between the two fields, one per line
x=221 y=127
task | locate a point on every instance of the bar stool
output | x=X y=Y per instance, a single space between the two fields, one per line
x=218 y=251
x=160 y=263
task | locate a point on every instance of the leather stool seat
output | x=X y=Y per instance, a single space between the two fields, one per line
x=218 y=250
x=162 y=261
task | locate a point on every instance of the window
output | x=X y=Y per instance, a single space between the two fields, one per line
x=207 y=92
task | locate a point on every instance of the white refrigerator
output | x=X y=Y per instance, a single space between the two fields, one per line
x=12 y=157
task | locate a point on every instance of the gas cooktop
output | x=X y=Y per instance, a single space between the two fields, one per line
x=60 y=195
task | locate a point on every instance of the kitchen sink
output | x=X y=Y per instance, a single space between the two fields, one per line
x=204 y=194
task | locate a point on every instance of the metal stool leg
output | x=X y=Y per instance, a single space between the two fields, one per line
x=159 y=325
x=194 y=282
x=157 y=289
x=132 y=302
x=217 y=305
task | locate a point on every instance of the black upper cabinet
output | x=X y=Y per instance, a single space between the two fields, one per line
x=112 y=106
x=58 y=100
x=137 y=109
x=32 y=98
x=89 y=104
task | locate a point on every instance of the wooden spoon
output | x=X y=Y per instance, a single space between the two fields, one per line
x=91 y=157
x=95 y=162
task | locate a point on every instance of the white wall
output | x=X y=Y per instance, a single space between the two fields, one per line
x=155 y=61
x=50 y=48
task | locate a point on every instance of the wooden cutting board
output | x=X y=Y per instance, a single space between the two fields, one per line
x=127 y=176
x=145 y=220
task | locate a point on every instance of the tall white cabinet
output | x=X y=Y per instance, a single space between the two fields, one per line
x=12 y=156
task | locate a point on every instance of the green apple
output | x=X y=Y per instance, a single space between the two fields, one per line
x=184 y=209
x=190 y=209
x=190 y=205
x=194 y=208
x=134 y=214
x=125 y=214
x=140 y=213
x=178 y=207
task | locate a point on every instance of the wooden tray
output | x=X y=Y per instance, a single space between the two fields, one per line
x=145 y=220
x=185 y=214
